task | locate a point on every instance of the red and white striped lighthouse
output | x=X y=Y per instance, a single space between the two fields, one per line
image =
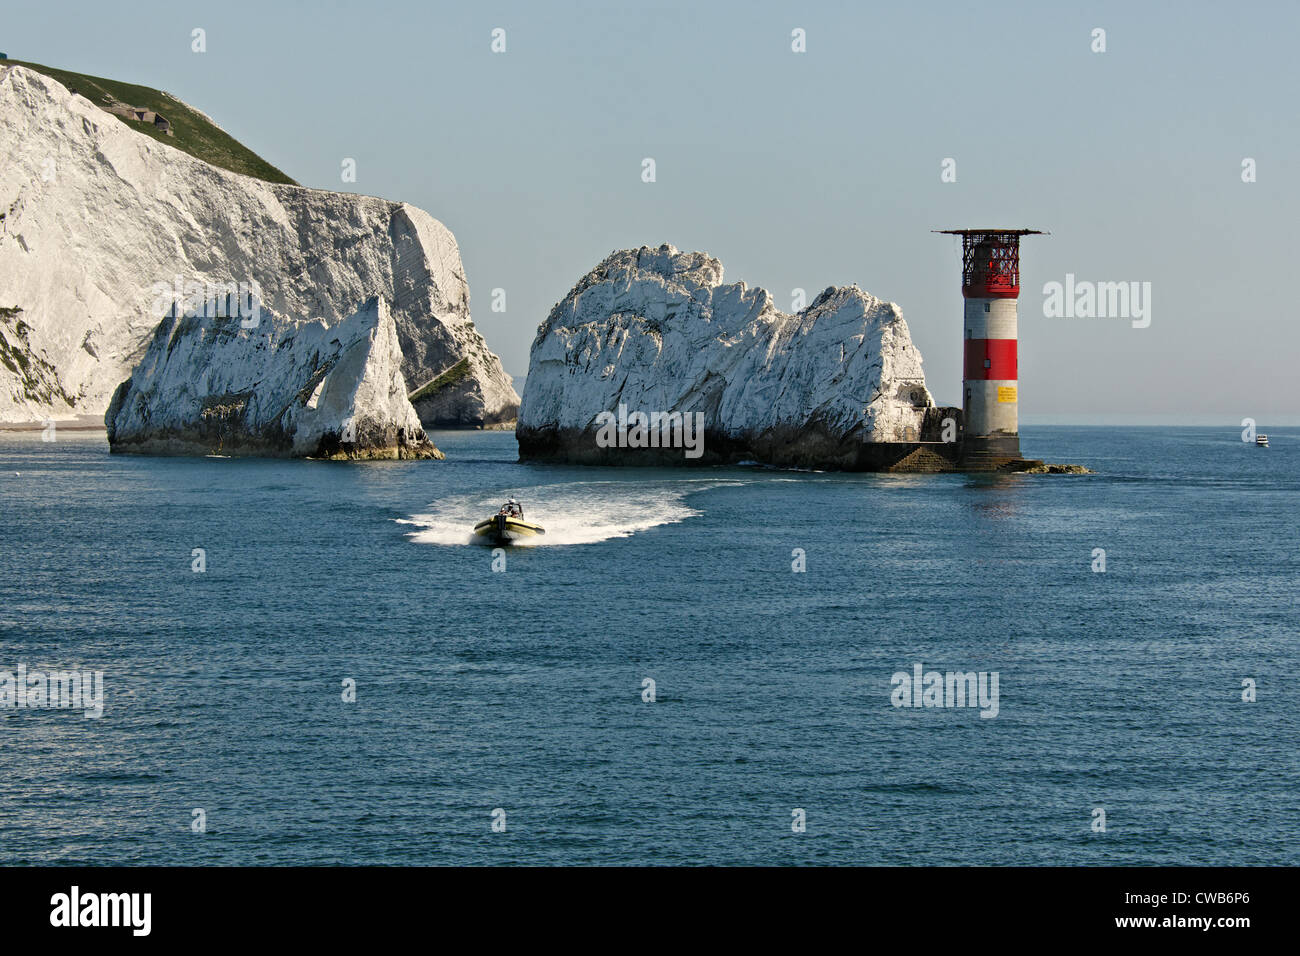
x=990 y=285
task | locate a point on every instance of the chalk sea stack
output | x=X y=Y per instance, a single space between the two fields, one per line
x=838 y=385
x=97 y=210
x=285 y=387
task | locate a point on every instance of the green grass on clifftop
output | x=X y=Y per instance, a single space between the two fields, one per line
x=457 y=373
x=193 y=132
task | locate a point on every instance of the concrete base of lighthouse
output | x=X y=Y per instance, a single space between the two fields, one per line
x=989 y=453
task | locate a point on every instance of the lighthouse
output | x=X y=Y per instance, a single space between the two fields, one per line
x=990 y=285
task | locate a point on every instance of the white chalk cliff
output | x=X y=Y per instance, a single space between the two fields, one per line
x=657 y=330
x=284 y=388
x=93 y=214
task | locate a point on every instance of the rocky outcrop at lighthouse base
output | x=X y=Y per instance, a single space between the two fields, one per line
x=655 y=332
x=262 y=384
x=99 y=220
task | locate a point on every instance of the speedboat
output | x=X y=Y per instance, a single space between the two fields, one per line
x=1261 y=441
x=507 y=526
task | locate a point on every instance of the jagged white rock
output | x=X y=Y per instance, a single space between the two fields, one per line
x=95 y=213
x=656 y=330
x=285 y=387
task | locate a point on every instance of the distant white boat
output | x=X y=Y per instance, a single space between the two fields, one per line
x=1261 y=441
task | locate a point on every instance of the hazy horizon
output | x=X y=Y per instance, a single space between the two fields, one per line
x=798 y=170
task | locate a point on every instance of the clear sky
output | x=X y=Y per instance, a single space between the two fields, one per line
x=798 y=170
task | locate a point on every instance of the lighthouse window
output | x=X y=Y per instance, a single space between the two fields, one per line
x=986 y=306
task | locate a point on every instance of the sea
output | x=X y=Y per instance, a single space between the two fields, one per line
x=310 y=663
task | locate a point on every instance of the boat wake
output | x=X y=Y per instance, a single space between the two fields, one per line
x=581 y=512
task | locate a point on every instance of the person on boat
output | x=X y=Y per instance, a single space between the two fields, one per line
x=511 y=509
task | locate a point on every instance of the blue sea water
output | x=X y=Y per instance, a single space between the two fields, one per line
x=522 y=689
